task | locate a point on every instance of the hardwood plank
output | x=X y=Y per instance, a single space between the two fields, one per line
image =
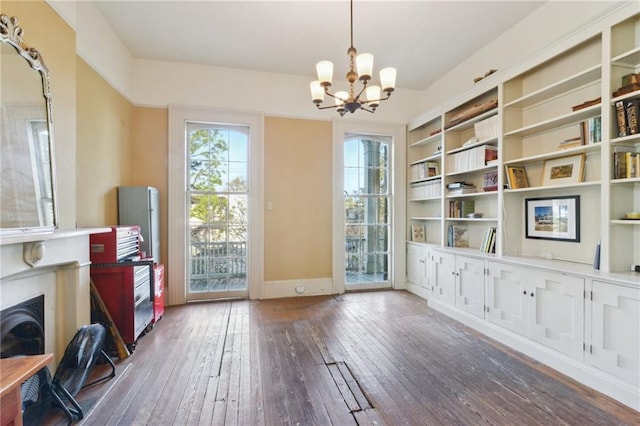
x=265 y=362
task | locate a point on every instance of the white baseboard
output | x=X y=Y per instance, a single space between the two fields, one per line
x=293 y=288
x=577 y=370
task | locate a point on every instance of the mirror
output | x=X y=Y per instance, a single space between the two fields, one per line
x=27 y=175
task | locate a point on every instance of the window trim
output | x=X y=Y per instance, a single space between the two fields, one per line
x=177 y=184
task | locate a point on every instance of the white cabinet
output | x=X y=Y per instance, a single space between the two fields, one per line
x=615 y=331
x=545 y=306
x=417 y=265
x=442 y=270
x=469 y=285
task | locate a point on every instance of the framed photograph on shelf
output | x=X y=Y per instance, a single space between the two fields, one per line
x=418 y=234
x=517 y=177
x=553 y=218
x=563 y=171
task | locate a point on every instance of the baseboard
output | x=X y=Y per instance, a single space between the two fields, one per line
x=418 y=290
x=293 y=288
x=577 y=370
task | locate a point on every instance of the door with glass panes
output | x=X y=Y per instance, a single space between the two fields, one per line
x=217 y=207
x=367 y=213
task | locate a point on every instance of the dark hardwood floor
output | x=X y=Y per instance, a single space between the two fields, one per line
x=361 y=358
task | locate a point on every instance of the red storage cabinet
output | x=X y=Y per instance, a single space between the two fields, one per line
x=126 y=292
x=158 y=292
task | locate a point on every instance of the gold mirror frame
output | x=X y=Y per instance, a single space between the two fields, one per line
x=11 y=33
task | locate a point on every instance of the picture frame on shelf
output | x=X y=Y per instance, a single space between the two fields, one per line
x=517 y=177
x=563 y=170
x=418 y=234
x=553 y=218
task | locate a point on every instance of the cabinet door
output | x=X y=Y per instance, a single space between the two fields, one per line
x=507 y=297
x=416 y=265
x=556 y=311
x=443 y=268
x=615 y=330
x=469 y=285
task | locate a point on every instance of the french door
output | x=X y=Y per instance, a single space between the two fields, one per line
x=215 y=204
x=367 y=215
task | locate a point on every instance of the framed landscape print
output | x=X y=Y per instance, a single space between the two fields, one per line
x=553 y=218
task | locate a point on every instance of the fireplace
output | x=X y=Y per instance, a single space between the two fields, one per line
x=57 y=275
x=22 y=328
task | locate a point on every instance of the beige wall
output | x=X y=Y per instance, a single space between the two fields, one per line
x=104 y=147
x=150 y=153
x=45 y=31
x=298 y=183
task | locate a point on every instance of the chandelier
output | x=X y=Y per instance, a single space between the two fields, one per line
x=366 y=98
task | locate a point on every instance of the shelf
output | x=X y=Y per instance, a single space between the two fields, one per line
x=426 y=179
x=547 y=188
x=430 y=158
x=470 y=122
x=626 y=180
x=630 y=58
x=473 y=194
x=427 y=140
x=425 y=218
x=630 y=140
x=625 y=222
x=490 y=141
x=425 y=199
x=465 y=172
x=625 y=96
x=560 y=121
x=583 y=78
x=556 y=154
x=472 y=219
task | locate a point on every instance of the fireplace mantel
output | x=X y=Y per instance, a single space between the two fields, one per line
x=55 y=265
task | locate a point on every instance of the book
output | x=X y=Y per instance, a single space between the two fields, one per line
x=461 y=208
x=460 y=184
x=461 y=191
x=621 y=116
x=596 y=258
x=457 y=236
x=490 y=181
x=631 y=110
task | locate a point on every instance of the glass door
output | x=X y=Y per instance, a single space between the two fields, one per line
x=217 y=207
x=367 y=214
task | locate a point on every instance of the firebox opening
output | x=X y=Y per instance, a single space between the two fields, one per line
x=22 y=328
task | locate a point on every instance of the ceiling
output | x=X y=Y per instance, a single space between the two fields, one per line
x=422 y=39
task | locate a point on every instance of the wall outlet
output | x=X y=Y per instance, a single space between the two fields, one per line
x=300 y=289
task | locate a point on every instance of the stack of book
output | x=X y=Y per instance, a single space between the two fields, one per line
x=626 y=163
x=486 y=129
x=458 y=188
x=488 y=244
x=627 y=112
x=424 y=170
x=429 y=189
x=591 y=130
x=470 y=159
x=461 y=208
x=457 y=236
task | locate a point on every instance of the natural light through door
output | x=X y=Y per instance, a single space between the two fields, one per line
x=367 y=213
x=217 y=205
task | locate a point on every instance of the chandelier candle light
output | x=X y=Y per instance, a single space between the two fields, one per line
x=363 y=64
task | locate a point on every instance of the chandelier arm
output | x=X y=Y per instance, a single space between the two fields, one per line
x=367 y=109
x=379 y=99
x=364 y=87
x=327 y=106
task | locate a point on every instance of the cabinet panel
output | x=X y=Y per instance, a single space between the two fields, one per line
x=416 y=265
x=557 y=311
x=443 y=269
x=506 y=297
x=615 y=346
x=470 y=285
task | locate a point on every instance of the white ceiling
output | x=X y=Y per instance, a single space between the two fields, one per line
x=422 y=39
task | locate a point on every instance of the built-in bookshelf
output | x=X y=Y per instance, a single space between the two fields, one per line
x=554 y=124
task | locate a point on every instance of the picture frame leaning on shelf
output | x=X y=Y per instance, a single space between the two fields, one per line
x=563 y=170
x=517 y=177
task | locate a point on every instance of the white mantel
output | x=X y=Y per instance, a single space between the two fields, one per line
x=55 y=265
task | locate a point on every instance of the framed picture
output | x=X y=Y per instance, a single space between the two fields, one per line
x=417 y=233
x=517 y=177
x=564 y=170
x=553 y=218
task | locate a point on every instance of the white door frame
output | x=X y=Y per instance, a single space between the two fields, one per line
x=398 y=233
x=177 y=204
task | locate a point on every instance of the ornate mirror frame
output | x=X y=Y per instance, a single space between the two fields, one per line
x=11 y=33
